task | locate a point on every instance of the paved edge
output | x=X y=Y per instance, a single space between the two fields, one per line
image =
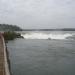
x=7 y=71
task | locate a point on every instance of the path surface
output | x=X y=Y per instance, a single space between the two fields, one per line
x=2 y=66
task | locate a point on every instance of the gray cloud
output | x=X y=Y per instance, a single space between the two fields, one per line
x=38 y=13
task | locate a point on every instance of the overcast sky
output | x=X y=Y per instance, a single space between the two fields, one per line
x=38 y=13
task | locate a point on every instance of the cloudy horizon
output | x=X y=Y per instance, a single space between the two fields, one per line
x=38 y=13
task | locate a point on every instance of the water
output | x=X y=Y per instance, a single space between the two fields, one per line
x=43 y=56
x=49 y=35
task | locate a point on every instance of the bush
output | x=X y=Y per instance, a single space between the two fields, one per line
x=10 y=35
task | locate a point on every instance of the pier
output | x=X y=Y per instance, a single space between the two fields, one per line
x=4 y=66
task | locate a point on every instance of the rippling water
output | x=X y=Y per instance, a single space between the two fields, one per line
x=42 y=57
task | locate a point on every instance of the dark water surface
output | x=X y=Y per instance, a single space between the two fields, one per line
x=42 y=57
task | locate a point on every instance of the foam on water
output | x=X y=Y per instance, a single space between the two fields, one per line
x=35 y=35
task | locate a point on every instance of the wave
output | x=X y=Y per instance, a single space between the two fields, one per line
x=57 y=36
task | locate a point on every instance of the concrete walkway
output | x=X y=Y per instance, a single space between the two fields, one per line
x=2 y=64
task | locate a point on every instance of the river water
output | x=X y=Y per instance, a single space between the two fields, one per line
x=43 y=53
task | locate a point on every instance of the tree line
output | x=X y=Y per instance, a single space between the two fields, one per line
x=7 y=27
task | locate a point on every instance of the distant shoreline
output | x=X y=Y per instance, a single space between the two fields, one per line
x=7 y=27
x=64 y=29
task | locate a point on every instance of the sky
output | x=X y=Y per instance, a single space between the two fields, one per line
x=34 y=14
